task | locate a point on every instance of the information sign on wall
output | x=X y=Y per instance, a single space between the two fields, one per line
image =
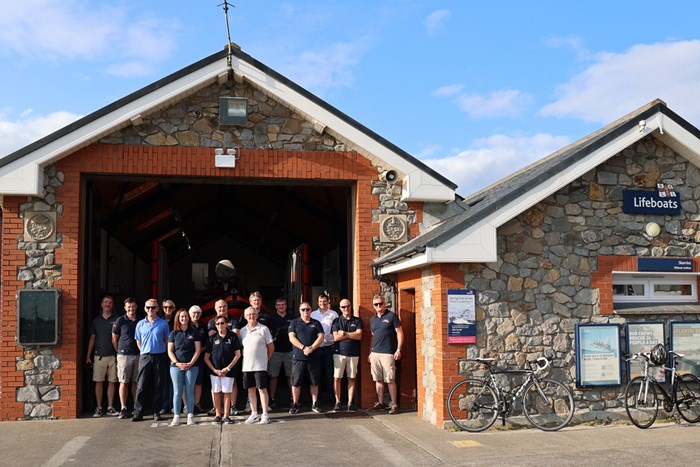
x=598 y=355
x=641 y=337
x=685 y=339
x=461 y=316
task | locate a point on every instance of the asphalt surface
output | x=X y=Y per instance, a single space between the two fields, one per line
x=308 y=439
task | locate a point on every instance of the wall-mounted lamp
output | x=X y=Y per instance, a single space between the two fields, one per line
x=652 y=229
x=227 y=160
x=233 y=110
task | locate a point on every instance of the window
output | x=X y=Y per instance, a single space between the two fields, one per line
x=654 y=288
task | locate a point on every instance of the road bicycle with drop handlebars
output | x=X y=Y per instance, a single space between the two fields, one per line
x=474 y=404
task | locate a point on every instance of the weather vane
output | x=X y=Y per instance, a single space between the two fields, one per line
x=228 y=32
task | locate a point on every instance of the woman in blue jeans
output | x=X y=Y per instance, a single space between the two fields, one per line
x=184 y=346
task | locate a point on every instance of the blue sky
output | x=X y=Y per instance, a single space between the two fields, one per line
x=476 y=90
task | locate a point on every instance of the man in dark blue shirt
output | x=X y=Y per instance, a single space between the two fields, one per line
x=306 y=335
x=387 y=340
x=282 y=356
x=347 y=333
x=123 y=339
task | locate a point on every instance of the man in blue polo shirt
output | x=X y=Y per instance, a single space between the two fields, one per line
x=152 y=339
x=306 y=335
x=387 y=340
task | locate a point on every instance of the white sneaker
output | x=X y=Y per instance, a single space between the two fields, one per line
x=265 y=419
x=252 y=419
x=190 y=419
x=175 y=421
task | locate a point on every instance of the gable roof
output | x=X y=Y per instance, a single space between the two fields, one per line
x=21 y=171
x=470 y=236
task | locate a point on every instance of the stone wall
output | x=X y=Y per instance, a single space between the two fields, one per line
x=540 y=287
x=40 y=272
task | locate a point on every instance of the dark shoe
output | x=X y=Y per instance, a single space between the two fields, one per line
x=352 y=408
x=227 y=421
x=337 y=407
x=198 y=410
x=233 y=411
x=112 y=412
x=136 y=416
x=212 y=412
x=393 y=410
x=98 y=412
x=294 y=409
x=316 y=408
x=378 y=406
x=157 y=417
x=216 y=421
x=273 y=403
x=123 y=413
x=162 y=412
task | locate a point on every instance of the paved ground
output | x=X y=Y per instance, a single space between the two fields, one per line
x=312 y=439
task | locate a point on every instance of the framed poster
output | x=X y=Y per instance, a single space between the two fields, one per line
x=461 y=316
x=685 y=339
x=641 y=337
x=598 y=355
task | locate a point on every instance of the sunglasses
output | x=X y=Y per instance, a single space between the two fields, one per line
x=344 y=306
x=305 y=309
x=378 y=304
x=221 y=323
x=151 y=307
x=166 y=307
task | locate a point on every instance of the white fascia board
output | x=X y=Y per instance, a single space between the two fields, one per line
x=16 y=180
x=424 y=188
x=420 y=186
x=691 y=145
x=416 y=261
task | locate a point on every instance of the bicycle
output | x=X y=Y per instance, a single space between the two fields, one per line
x=683 y=398
x=474 y=404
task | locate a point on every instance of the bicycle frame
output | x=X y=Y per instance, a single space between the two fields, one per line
x=506 y=395
x=669 y=397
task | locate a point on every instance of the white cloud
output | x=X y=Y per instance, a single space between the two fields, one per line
x=78 y=30
x=15 y=134
x=617 y=83
x=326 y=68
x=449 y=90
x=501 y=103
x=435 y=21
x=490 y=159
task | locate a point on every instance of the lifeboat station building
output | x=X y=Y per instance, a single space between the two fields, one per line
x=226 y=159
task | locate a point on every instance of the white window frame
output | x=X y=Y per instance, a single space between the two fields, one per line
x=649 y=280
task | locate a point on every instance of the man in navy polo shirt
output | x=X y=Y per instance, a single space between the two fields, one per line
x=123 y=339
x=387 y=340
x=152 y=339
x=306 y=335
x=347 y=332
x=103 y=356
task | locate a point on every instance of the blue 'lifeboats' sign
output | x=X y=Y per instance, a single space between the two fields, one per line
x=650 y=202
x=665 y=264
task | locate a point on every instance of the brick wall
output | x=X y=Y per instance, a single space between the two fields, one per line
x=116 y=159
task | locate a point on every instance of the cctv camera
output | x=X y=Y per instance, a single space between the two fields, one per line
x=389 y=175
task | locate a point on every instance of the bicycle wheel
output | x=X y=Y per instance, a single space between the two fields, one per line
x=548 y=404
x=688 y=398
x=641 y=403
x=472 y=405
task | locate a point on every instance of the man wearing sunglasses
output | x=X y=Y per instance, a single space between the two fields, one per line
x=387 y=340
x=152 y=340
x=306 y=335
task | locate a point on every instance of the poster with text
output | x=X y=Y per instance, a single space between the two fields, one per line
x=461 y=316
x=641 y=337
x=598 y=355
x=685 y=339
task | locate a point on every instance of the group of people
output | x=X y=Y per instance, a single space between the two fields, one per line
x=167 y=355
